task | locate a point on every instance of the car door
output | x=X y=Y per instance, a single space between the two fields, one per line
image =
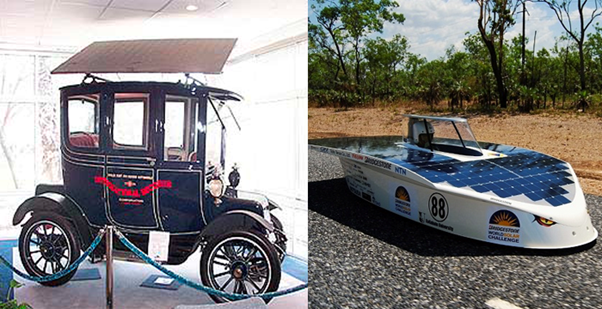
x=130 y=179
x=181 y=162
x=83 y=157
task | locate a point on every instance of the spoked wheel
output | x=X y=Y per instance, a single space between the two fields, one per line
x=47 y=245
x=240 y=262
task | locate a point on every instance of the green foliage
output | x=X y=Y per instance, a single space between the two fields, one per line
x=329 y=97
x=383 y=62
x=349 y=66
x=12 y=303
x=343 y=25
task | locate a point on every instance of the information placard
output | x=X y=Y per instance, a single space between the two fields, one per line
x=158 y=246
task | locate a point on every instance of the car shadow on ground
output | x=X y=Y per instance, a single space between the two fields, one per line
x=332 y=199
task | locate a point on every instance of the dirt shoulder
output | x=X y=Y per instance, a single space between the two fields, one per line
x=576 y=139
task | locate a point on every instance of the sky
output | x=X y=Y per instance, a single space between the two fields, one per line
x=432 y=26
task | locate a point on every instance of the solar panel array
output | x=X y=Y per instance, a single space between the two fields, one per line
x=536 y=175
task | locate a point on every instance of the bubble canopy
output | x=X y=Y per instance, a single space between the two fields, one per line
x=448 y=134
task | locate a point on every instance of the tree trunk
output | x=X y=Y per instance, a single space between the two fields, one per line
x=582 y=73
x=357 y=65
x=494 y=64
x=566 y=60
x=339 y=55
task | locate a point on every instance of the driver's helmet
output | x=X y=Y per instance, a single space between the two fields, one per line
x=420 y=133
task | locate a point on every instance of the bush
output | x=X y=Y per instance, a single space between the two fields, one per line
x=12 y=303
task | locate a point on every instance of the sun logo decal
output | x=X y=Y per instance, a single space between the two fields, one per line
x=504 y=228
x=402 y=194
x=504 y=218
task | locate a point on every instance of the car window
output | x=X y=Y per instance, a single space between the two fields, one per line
x=213 y=142
x=179 y=128
x=83 y=120
x=130 y=114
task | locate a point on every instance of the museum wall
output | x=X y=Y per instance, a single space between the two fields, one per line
x=270 y=147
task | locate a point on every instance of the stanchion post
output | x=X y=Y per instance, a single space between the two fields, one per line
x=109 y=275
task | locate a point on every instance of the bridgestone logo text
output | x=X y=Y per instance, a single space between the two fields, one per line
x=503 y=229
x=378 y=163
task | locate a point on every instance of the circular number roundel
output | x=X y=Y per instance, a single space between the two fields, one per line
x=438 y=207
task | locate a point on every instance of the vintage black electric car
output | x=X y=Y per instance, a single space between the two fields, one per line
x=150 y=156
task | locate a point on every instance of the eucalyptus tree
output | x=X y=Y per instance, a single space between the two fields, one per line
x=458 y=73
x=495 y=18
x=594 y=46
x=576 y=26
x=384 y=58
x=329 y=36
x=566 y=58
x=431 y=78
x=345 y=23
x=482 y=79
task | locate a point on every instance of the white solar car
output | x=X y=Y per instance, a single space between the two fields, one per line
x=440 y=176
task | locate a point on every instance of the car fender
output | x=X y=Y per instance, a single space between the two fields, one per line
x=236 y=220
x=51 y=201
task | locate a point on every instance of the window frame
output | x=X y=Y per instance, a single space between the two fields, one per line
x=192 y=106
x=199 y=164
x=66 y=121
x=145 y=122
x=183 y=136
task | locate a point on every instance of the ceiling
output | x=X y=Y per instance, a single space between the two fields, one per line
x=73 y=24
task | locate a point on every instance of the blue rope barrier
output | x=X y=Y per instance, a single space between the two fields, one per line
x=62 y=272
x=197 y=286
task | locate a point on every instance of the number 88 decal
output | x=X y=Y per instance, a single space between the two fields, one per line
x=438 y=207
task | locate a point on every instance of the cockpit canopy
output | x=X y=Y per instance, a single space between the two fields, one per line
x=452 y=135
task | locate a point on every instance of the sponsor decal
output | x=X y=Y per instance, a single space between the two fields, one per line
x=378 y=163
x=501 y=201
x=340 y=153
x=132 y=192
x=129 y=201
x=127 y=176
x=543 y=221
x=357 y=157
x=423 y=219
x=400 y=170
x=319 y=148
x=367 y=196
x=402 y=194
x=438 y=224
x=375 y=202
x=355 y=191
x=402 y=201
x=351 y=182
x=504 y=227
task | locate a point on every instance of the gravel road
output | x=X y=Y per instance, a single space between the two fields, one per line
x=362 y=256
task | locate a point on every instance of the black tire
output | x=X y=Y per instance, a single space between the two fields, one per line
x=48 y=239
x=224 y=257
